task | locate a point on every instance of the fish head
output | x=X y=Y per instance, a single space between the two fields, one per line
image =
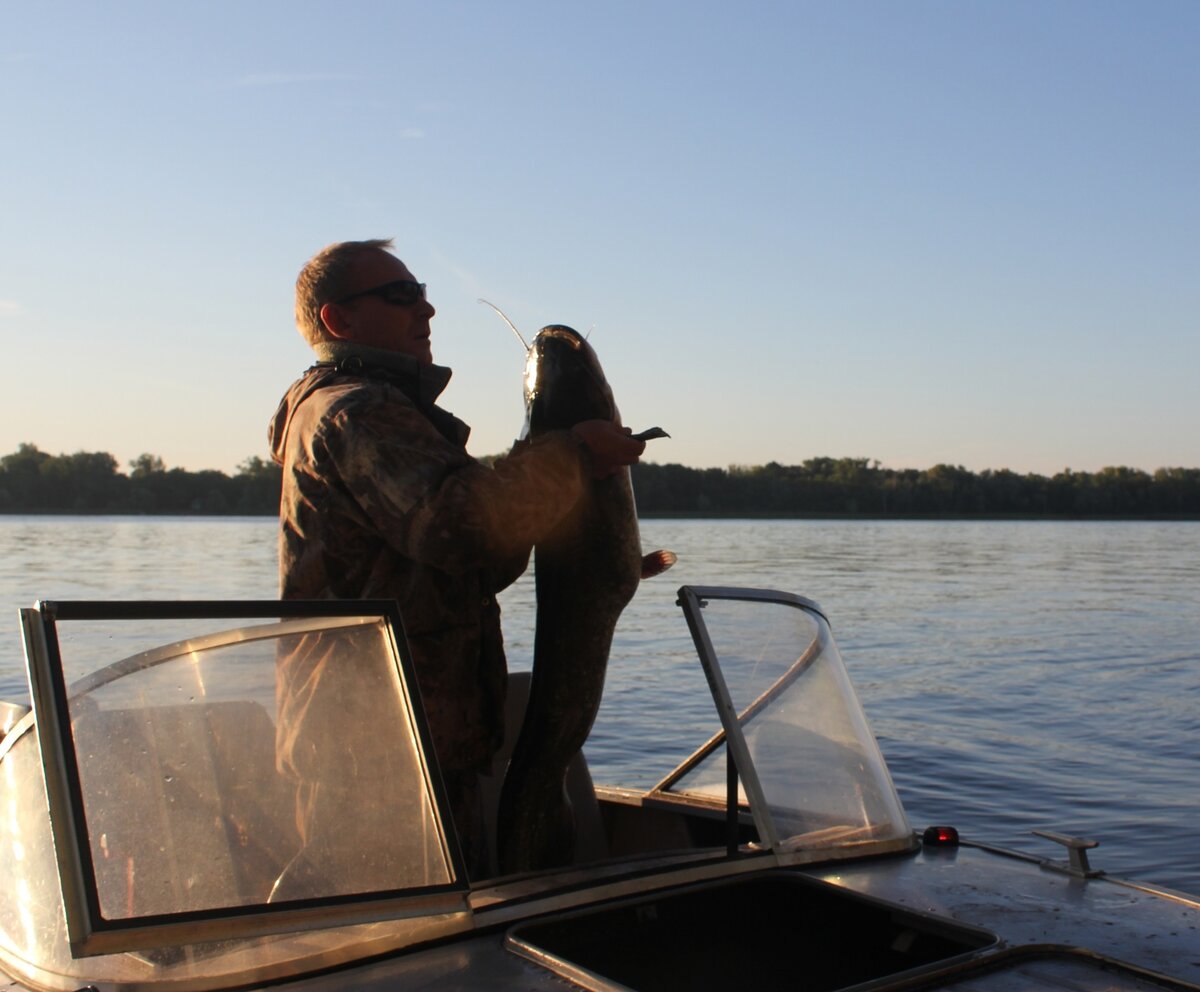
x=564 y=383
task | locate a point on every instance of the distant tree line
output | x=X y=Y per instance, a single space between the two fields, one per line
x=32 y=481
x=822 y=487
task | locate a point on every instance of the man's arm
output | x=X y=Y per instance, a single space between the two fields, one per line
x=434 y=503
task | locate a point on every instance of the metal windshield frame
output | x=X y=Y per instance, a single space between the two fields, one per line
x=88 y=931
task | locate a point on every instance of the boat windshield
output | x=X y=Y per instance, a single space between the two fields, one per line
x=207 y=793
x=242 y=792
x=808 y=768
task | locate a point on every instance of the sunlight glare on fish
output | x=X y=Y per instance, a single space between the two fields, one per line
x=504 y=317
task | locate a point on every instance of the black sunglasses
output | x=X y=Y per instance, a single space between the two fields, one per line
x=401 y=293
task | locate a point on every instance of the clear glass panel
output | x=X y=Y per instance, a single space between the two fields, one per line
x=33 y=937
x=31 y=914
x=820 y=769
x=251 y=766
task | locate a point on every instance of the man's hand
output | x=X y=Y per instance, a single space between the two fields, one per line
x=610 y=446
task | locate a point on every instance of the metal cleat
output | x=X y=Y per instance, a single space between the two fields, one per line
x=1078 y=847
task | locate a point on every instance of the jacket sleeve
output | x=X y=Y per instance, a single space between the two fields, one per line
x=481 y=516
x=436 y=505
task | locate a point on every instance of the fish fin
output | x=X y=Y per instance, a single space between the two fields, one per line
x=657 y=562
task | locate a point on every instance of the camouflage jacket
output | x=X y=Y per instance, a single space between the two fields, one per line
x=381 y=500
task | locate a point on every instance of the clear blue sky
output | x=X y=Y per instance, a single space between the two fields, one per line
x=914 y=231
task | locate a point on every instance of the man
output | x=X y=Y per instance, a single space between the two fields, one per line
x=381 y=500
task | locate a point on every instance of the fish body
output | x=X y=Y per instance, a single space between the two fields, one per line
x=586 y=571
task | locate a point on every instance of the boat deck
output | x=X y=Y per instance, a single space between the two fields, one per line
x=1036 y=911
x=1056 y=932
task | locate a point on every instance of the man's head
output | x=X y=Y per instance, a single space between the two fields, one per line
x=357 y=291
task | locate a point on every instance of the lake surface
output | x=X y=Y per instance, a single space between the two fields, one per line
x=1018 y=675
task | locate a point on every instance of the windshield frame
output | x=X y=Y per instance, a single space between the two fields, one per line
x=744 y=786
x=89 y=931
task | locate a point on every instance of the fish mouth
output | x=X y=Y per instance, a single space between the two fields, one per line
x=560 y=332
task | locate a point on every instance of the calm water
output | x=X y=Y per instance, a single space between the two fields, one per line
x=1018 y=675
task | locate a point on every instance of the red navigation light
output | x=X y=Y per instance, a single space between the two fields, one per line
x=940 y=837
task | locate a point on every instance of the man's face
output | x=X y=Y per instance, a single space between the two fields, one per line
x=373 y=320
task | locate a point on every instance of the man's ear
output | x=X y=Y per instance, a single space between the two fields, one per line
x=335 y=320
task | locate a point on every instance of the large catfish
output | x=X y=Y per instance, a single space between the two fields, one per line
x=586 y=571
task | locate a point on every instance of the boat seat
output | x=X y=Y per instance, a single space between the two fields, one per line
x=590 y=842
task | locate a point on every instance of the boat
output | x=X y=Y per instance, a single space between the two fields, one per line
x=150 y=839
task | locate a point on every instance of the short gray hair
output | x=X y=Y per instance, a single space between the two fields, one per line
x=323 y=280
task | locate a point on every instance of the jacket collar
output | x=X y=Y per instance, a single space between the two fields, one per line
x=422 y=382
